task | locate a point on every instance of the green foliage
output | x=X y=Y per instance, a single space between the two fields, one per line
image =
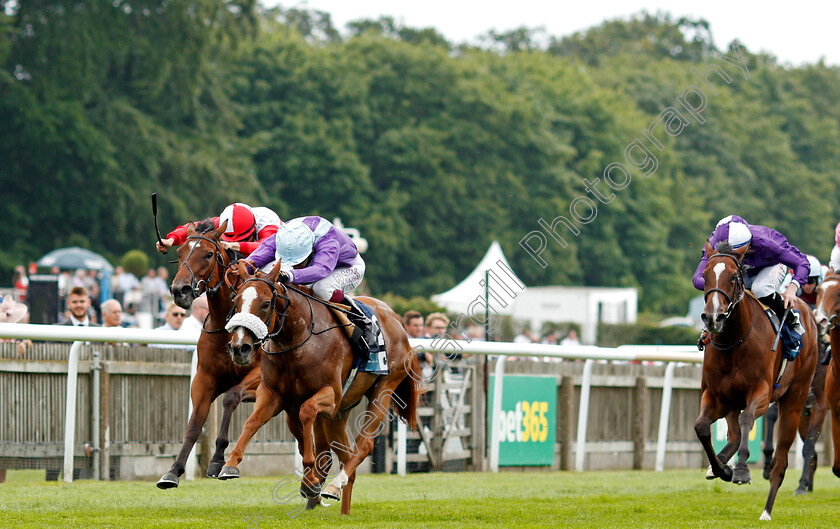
x=135 y=262
x=401 y=304
x=431 y=151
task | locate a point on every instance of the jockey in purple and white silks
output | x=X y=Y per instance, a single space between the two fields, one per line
x=316 y=253
x=765 y=264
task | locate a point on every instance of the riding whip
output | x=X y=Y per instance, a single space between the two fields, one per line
x=154 y=213
x=778 y=334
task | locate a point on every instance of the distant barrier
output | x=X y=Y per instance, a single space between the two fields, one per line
x=472 y=433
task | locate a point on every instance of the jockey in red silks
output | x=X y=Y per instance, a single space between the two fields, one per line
x=316 y=253
x=765 y=264
x=247 y=227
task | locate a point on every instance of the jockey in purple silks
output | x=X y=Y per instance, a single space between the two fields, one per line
x=765 y=264
x=316 y=253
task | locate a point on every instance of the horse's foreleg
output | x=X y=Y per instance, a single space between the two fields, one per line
x=230 y=401
x=245 y=390
x=770 y=418
x=733 y=437
x=832 y=393
x=202 y=393
x=324 y=401
x=336 y=432
x=268 y=404
x=710 y=411
x=757 y=403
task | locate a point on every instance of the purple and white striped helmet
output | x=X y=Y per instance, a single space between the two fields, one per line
x=734 y=230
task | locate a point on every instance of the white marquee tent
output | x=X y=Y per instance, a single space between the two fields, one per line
x=504 y=286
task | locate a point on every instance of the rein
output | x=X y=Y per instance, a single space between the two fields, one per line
x=739 y=292
x=196 y=285
x=274 y=314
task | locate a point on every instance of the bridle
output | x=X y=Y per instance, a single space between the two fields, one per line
x=196 y=285
x=274 y=315
x=739 y=286
x=737 y=294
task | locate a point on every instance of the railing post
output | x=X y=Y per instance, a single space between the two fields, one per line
x=95 y=410
x=401 y=447
x=70 y=410
x=497 y=412
x=664 y=416
x=583 y=415
x=189 y=467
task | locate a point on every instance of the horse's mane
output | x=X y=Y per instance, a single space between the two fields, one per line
x=205 y=225
x=724 y=247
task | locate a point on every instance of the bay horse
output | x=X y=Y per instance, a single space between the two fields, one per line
x=827 y=313
x=202 y=264
x=741 y=372
x=305 y=362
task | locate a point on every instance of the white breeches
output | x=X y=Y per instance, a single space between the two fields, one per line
x=346 y=279
x=768 y=280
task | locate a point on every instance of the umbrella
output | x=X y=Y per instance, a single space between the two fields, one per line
x=74 y=258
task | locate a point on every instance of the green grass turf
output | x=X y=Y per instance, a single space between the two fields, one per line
x=672 y=499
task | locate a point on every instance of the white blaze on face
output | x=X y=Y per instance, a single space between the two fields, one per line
x=718 y=269
x=192 y=244
x=248 y=297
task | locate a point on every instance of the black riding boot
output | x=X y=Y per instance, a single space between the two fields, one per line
x=777 y=303
x=364 y=336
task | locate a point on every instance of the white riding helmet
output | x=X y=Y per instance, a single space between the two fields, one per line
x=294 y=241
x=739 y=234
x=816 y=268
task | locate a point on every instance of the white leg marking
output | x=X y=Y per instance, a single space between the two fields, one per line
x=340 y=480
x=765 y=516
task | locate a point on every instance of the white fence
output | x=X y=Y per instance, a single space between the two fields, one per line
x=670 y=354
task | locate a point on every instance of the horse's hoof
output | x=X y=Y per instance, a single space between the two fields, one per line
x=836 y=471
x=766 y=472
x=313 y=502
x=310 y=492
x=765 y=516
x=214 y=468
x=229 y=473
x=800 y=491
x=710 y=474
x=168 y=481
x=332 y=493
x=741 y=476
x=727 y=473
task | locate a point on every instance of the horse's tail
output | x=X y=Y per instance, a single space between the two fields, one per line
x=407 y=394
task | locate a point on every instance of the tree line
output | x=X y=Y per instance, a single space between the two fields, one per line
x=431 y=148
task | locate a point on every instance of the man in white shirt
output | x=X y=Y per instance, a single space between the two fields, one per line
x=199 y=312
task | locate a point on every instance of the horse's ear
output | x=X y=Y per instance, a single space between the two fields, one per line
x=191 y=228
x=217 y=233
x=709 y=250
x=740 y=252
x=275 y=272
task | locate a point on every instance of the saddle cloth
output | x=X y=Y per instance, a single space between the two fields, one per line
x=376 y=361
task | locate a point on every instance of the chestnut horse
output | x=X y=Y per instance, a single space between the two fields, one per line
x=306 y=360
x=827 y=313
x=810 y=427
x=202 y=264
x=741 y=372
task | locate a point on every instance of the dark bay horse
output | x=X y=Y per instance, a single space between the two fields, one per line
x=202 y=264
x=740 y=371
x=305 y=362
x=827 y=313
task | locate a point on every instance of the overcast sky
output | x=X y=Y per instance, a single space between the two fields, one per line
x=795 y=32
